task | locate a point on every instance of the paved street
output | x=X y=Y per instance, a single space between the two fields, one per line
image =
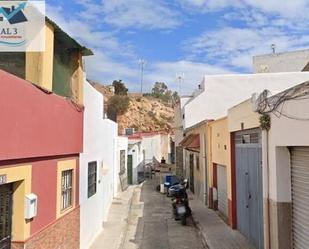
x=149 y=224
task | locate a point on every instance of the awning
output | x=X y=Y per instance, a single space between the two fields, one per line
x=191 y=142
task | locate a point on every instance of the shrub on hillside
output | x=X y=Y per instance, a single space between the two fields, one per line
x=117 y=105
x=120 y=88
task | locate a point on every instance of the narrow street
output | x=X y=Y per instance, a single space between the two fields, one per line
x=150 y=224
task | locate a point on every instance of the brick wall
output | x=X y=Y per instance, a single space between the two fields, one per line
x=63 y=234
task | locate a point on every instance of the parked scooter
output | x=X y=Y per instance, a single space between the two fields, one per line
x=180 y=202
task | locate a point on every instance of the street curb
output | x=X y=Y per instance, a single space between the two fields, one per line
x=125 y=229
x=199 y=230
x=125 y=232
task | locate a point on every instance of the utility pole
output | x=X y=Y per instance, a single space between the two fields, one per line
x=273 y=48
x=142 y=63
x=180 y=78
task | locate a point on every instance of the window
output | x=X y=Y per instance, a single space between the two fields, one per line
x=197 y=162
x=92 y=178
x=252 y=138
x=122 y=161
x=66 y=189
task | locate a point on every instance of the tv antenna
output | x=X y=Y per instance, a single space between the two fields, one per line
x=273 y=48
x=142 y=64
x=180 y=77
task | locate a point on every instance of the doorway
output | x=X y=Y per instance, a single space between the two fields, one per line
x=130 y=169
x=6 y=204
x=191 y=173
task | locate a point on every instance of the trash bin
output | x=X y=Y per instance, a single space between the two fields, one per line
x=171 y=179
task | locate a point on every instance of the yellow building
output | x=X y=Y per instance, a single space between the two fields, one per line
x=194 y=158
x=221 y=135
x=219 y=165
x=58 y=69
x=41 y=139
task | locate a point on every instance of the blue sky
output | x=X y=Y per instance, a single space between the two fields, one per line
x=179 y=37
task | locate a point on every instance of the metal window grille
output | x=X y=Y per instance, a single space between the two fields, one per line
x=197 y=162
x=67 y=190
x=122 y=161
x=252 y=138
x=92 y=178
x=5 y=215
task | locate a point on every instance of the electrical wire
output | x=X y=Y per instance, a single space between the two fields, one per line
x=267 y=104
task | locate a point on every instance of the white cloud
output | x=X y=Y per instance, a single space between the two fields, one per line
x=223 y=47
x=102 y=67
x=88 y=35
x=287 y=8
x=153 y=14
x=235 y=47
x=164 y=71
x=150 y=14
x=193 y=73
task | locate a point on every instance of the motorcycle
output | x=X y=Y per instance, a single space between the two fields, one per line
x=180 y=202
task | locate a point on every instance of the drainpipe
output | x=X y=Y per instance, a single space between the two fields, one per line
x=266 y=189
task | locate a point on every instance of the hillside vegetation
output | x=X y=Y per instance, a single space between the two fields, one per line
x=146 y=114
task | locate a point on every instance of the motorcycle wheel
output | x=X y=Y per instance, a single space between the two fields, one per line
x=183 y=220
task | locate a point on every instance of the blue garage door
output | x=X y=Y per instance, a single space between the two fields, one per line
x=249 y=194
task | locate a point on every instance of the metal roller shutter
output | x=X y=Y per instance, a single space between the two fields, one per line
x=222 y=190
x=300 y=197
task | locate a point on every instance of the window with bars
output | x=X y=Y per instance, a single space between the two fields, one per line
x=66 y=189
x=122 y=161
x=252 y=138
x=197 y=162
x=92 y=178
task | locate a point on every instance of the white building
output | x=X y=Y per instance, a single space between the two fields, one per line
x=145 y=148
x=286 y=169
x=135 y=160
x=97 y=166
x=220 y=92
x=294 y=61
x=120 y=172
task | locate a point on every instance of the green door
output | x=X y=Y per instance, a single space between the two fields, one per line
x=130 y=169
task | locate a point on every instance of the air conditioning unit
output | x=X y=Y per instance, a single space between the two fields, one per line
x=31 y=206
x=129 y=131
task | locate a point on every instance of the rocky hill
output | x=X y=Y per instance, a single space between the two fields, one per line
x=146 y=114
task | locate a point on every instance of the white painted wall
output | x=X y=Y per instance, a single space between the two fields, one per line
x=178 y=124
x=166 y=147
x=137 y=157
x=294 y=61
x=152 y=147
x=99 y=139
x=225 y=91
x=109 y=167
x=286 y=132
x=122 y=144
